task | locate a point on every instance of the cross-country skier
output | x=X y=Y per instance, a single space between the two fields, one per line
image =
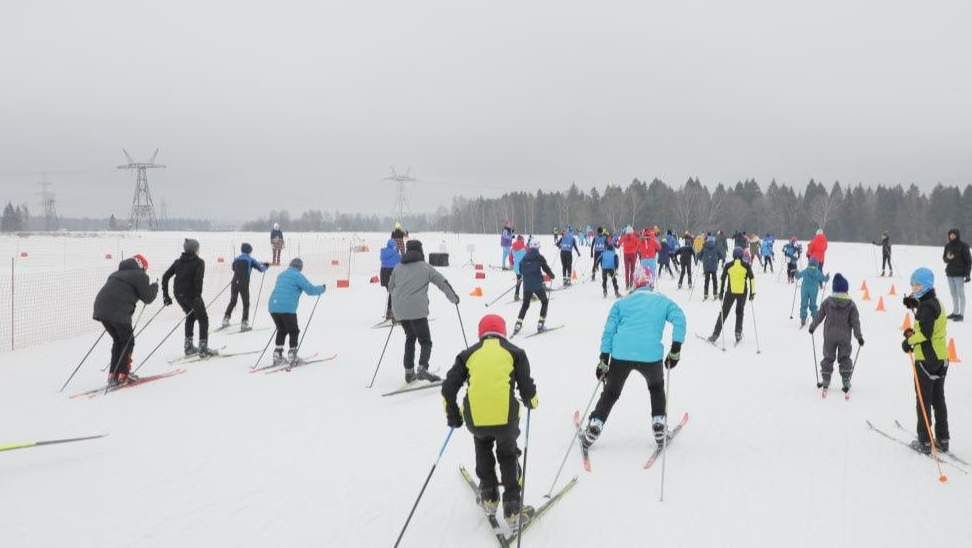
x=792 y=251
x=817 y=248
x=596 y=249
x=685 y=258
x=632 y=341
x=283 y=308
x=629 y=243
x=609 y=268
x=885 y=253
x=409 y=286
x=665 y=258
x=813 y=279
x=566 y=244
x=927 y=342
x=492 y=369
x=399 y=234
x=243 y=265
x=741 y=280
x=649 y=250
x=276 y=243
x=114 y=306
x=766 y=252
x=532 y=268
x=722 y=242
x=518 y=252
x=711 y=257
x=189 y=271
x=697 y=244
x=506 y=242
x=390 y=257
x=841 y=318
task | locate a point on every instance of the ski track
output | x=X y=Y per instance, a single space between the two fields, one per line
x=313 y=458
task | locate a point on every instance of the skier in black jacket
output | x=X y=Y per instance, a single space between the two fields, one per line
x=885 y=253
x=243 y=266
x=114 y=306
x=189 y=271
x=532 y=267
x=958 y=263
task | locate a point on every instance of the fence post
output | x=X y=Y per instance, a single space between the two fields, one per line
x=12 y=259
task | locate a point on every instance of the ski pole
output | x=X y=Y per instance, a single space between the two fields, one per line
x=257 y=364
x=526 y=449
x=426 y=484
x=90 y=350
x=722 y=326
x=813 y=341
x=306 y=327
x=256 y=307
x=668 y=383
x=793 y=305
x=874 y=256
x=752 y=304
x=161 y=308
x=375 y=376
x=500 y=297
x=573 y=438
x=461 y=328
x=924 y=413
x=856 y=354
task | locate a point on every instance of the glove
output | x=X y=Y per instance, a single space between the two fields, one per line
x=674 y=354
x=752 y=296
x=603 y=364
x=967 y=279
x=811 y=329
x=453 y=416
x=166 y=300
x=910 y=302
x=533 y=403
x=860 y=342
x=722 y=295
x=324 y=286
x=266 y=265
x=906 y=347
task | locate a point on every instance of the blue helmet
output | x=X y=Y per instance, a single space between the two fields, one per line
x=737 y=253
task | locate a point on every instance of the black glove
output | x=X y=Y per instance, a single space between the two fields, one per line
x=906 y=347
x=722 y=295
x=967 y=279
x=860 y=342
x=453 y=416
x=603 y=364
x=910 y=302
x=674 y=354
x=752 y=296
x=811 y=329
x=166 y=300
x=266 y=265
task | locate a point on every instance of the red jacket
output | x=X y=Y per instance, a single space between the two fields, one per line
x=649 y=247
x=630 y=243
x=818 y=247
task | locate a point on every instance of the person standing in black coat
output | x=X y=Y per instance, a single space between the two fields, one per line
x=114 y=307
x=885 y=253
x=958 y=263
x=189 y=271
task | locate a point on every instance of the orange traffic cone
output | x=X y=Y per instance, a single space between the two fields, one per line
x=478 y=292
x=906 y=324
x=574 y=276
x=892 y=292
x=867 y=295
x=880 y=306
x=863 y=285
x=952 y=355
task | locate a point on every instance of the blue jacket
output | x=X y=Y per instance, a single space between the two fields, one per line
x=672 y=242
x=609 y=259
x=664 y=254
x=766 y=249
x=568 y=242
x=517 y=257
x=390 y=255
x=711 y=255
x=532 y=267
x=599 y=242
x=286 y=294
x=636 y=323
x=812 y=278
x=792 y=251
x=253 y=263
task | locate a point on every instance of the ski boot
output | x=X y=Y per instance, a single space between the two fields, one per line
x=409 y=376
x=245 y=326
x=540 y=327
x=942 y=444
x=515 y=515
x=204 y=351
x=605 y=293
x=846 y=384
x=591 y=433
x=617 y=294
x=679 y=287
x=592 y=277
x=278 y=357
x=658 y=429
x=803 y=323
x=226 y=322
x=489 y=499
x=189 y=348
x=713 y=338
x=517 y=327
x=882 y=273
x=125 y=378
x=738 y=337
x=423 y=375
x=293 y=358
x=516 y=297
x=114 y=380
x=924 y=447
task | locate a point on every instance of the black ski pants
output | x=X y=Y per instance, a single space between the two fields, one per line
x=239 y=289
x=527 y=296
x=687 y=268
x=768 y=262
x=122 y=344
x=196 y=310
x=286 y=325
x=567 y=263
x=931 y=379
x=730 y=299
x=417 y=330
x=886 y=260
x=384 y=275
x=614 y=382
x=597 y=263
x=507 y=453
x=710 y=276
x=519 y=282
x=609 y=273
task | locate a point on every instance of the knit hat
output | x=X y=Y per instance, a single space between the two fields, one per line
x=534 y=243
x=737 y=253
x=297 y=263
x=925 y=278
x=644 y=277
x=819 y=231
x=190 y=246
x=491 y=324
x=814 y=262
x=413 y=245
x=246 y=248
x=142 y=261
x=840 y=283
x=276 y=226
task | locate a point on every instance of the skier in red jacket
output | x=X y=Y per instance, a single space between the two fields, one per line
x=818 y=248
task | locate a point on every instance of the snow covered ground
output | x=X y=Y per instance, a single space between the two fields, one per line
x=221 y=457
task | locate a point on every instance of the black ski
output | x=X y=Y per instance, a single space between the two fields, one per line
x=287 y=367
x=141 y=380
x=908 y=445
x=493 y=522
x=412 y=388
x=948 y=454
x=196 y=358
x=546 y=330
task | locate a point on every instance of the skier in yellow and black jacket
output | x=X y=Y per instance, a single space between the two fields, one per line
x=492 y=368
x=740 y=277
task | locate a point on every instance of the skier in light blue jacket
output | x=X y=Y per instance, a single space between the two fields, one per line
x=283 y=307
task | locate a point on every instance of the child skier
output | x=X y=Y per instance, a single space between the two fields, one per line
x=930 y=355
x=813 y=279
x=632 y=341
x=648 y=250
x=711 y=257
x=842 y=318
x=686 y=255
x=243 y=265
x=114 y=307
x=390 y=257
x=568 y=243
x=532 y=268
x=792 y=251
x=189 y=271
x=493 y=368
x=283 y=308
x=741 y=280
x=597 y=248
x=409 y=286
x=665 y=258
x=609 y=269
x=766 y=252
x=518 y=252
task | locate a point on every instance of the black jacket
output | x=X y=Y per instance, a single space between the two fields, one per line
x=117 y=299
x=960 y=264
x=532 y=267
x=276 y=233
x=188 y=271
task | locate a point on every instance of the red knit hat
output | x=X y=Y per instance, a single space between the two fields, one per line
x=142 y=261
x=491 y=324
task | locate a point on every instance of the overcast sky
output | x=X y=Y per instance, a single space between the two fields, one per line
x=260 y=105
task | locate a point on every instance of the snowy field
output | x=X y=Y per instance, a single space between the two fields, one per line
x=221 y=457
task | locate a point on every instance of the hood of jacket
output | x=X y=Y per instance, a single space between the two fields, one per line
x=128 y=264
x=841 y=301
x=958 y=235
x=709 y=245
x=187 y=257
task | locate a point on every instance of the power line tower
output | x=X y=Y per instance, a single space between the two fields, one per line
x=401 y=193
x=48 y=204
x=143 y=209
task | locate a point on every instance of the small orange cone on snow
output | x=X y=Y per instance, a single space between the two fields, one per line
x=478 y=292
x=863 y=285
x=906 y=324
x=867 y=295
x=952 y=355
x=574 y=276
x=892 y=292
x=880 y=306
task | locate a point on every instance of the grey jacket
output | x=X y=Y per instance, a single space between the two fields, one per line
x=409 y=287
x=842 y=316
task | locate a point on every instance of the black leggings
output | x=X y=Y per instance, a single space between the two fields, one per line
x=710 y=276
x=507 y=453
x=740 y=302
x=122 y=344
x=417 y=330
x=567 y=262
x=613 y=274
x=614 y=383
x=597 y=262
x=687 y=268
x=239 y=289
x=886 y=260
x=286 y=325
x=527 y=296
x=931 y=378
x=195 y=309
x=768 y=261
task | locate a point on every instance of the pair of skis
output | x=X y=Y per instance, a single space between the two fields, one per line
x=412 y=387
x=505 y=541
x=947 y=459
x=106 y=389
x=659 y=449
x=535 y=333
x=289 y=365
